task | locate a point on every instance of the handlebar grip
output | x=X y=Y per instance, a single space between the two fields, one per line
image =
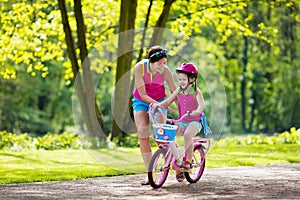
x=153 y=112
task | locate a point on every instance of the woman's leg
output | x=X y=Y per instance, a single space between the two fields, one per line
x=141 y=119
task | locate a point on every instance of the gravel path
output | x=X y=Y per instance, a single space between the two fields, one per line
x=259 y=182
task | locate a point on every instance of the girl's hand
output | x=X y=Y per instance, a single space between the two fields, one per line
x=195 y=113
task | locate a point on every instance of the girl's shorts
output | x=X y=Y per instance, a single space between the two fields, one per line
x=139 y=105
x=185 y=125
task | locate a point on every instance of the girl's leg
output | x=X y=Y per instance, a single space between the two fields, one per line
x=142 y=124
x=189 y=133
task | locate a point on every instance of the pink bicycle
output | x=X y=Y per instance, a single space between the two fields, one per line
x=167 y=154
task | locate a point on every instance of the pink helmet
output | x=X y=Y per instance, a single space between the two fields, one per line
x=188 y=68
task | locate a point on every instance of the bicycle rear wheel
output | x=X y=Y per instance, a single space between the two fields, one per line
x=197 y=165
x=157 y=169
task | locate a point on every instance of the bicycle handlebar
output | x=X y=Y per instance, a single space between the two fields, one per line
x=153 y=111
x=179 y=119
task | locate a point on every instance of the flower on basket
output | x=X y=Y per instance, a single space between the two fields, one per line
x=160 y=131
x=166 y=138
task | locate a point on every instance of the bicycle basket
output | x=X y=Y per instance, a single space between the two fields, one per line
x=164 y=132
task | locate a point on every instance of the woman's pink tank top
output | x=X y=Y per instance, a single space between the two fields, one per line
x=187 y=103
x=154 y=85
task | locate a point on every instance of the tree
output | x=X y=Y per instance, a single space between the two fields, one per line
x=161 y=23
x=259 y=83
x=125 y=54
x=127 y=19
x=84 y=85
x=31 y=39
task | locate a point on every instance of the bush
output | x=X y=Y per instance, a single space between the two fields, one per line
x=17 y=142
x=292 y=137
x=13 y=141
x=132 y=140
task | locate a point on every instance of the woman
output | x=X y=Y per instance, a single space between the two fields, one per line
x=150 y=76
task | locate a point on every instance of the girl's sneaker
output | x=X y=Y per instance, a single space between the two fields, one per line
x=179 y=176
x=186 y=164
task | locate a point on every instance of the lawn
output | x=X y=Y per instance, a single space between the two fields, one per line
x=254 y=154
x=57 y=165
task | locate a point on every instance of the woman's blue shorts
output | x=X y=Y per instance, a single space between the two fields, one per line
x=139 y=105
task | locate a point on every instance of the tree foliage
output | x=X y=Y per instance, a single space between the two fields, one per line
x=253 y=44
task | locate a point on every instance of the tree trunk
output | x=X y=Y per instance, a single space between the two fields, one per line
x=125 y=48
x=94 y=121
x=244 y=82
x=290 y=95
x=128 y=121
x=295 y=116
x=121 y=95
x=144 y=31
x=161 y=23
x=83 y=85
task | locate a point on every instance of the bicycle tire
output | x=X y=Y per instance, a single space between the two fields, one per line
x=197 y=165
x=157 y=169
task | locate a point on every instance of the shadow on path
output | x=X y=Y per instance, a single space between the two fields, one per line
x=259 y=182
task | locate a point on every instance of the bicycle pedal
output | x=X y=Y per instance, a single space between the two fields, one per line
x=179 y=163
x=182 y=169
x=187 y=170
x=185 y=166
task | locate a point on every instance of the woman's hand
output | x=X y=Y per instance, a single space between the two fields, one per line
x=155 y=106
x=159 y=105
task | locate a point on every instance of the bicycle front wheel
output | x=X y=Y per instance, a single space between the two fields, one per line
x=197 y=165
x=158 y=169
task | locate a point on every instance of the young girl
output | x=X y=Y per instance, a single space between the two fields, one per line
x=190 y=101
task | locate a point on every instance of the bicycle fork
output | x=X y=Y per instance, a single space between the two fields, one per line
x=177 y=152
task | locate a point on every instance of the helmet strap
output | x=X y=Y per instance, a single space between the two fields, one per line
x=189 y=83
x=183 y=89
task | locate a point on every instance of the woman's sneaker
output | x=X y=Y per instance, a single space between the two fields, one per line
x=145 y=181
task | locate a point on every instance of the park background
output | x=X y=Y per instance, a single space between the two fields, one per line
x=62 y=60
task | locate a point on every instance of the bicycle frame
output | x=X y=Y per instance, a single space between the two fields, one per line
x=164 y=157
x=170 y=154
x=197 y=141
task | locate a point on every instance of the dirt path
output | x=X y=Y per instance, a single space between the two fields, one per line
x=261 y=182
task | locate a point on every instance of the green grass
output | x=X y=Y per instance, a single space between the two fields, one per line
x=32 y=166
x=251 y=155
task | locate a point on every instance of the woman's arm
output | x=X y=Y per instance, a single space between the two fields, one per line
x=170 y=79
